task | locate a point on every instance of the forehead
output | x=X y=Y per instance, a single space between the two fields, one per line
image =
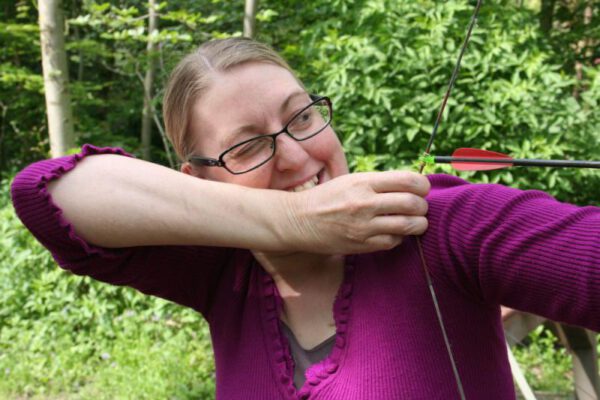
x=251 y=79
x=246 y=94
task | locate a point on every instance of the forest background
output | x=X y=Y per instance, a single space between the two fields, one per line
x=529 y=86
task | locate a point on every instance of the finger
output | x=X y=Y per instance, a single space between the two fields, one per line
x=400 y=181
x=401 y=203
x=383 y=242
x=399 y=225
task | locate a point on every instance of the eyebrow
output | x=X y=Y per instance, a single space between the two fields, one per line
x=252 y=127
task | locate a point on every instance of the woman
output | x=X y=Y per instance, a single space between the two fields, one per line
x=291 y=313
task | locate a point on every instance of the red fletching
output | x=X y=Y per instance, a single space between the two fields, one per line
x=473 y=155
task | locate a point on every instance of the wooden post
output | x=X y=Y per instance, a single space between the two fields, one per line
x=581 y=343
x=517 y=325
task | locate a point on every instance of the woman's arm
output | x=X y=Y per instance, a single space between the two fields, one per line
x=130 y=222
x=522 y=249
x=115 y=201
x=184 y=274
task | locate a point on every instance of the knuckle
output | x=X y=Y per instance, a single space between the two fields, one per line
x=420 y=225
x=356 y=235
x=403 y=177
x=403 y=223
x=357 y=206
x=424 y=223
x=414 y=202
x=425 y=206
x=362 y=177
x=426 y=185
x=415 y=205
x=353 y=207
x=420 y=205
x=390 y=241
x=419 y=183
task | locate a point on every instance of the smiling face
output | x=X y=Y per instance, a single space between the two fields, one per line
x=257 y=98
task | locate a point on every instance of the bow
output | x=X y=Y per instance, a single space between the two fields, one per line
x=438 y=313
x=466 y=159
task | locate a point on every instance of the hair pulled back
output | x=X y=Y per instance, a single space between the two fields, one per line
x=192 y=77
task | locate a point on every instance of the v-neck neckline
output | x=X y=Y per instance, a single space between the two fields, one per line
x=278 y=346
x=290 y=334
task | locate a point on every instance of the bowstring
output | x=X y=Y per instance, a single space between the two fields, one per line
x=436 y=305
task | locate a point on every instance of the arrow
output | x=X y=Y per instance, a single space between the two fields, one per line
x=466 y=159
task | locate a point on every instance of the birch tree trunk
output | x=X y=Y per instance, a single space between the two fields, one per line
x=148 y=112
x=56 y=77
x=250 y=18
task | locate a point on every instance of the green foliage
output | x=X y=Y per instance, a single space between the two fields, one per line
x=106 y=49
x=22 y=115
x=547 y=366
x=61 y=334
x=386 y=65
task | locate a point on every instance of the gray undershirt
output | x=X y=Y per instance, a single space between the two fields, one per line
x=303 y=359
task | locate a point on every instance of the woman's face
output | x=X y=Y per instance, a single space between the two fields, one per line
x=260 y=98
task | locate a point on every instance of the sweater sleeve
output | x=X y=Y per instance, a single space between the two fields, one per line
x=521 y=249
x=183 y=274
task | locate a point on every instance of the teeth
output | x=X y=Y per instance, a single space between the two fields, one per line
x=309 y=184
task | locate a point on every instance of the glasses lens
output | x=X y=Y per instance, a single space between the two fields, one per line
x=248 y=155
x=310 y=121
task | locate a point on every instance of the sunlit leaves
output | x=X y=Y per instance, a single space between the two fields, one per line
x=393 y=62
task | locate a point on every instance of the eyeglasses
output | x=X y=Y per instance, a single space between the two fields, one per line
x=250 y=154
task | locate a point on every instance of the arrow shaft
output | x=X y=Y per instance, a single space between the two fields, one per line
x=521 y=162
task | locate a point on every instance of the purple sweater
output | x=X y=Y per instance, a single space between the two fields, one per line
x=486 y=245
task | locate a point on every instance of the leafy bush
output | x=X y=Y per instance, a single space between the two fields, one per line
x=546 y=364
x=386 y=65
x=63 y=334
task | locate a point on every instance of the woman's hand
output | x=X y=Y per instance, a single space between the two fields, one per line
x=357 y=213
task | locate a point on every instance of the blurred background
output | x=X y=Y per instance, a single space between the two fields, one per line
x=529 y=86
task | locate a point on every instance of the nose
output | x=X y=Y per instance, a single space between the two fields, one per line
x=290 y=154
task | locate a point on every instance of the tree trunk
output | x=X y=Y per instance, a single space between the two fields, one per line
x=547 y=16
x=148 y=112
x=250 y=18
x=583 y=50
x=56 y=77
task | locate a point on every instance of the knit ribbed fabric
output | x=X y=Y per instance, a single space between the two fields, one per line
x=486 y=245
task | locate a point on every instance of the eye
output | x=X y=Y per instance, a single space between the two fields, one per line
x=302 y=120
x=251 y=148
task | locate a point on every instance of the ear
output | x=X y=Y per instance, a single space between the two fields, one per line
x=188 y=169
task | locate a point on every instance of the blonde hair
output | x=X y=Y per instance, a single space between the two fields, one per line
x=191 y=78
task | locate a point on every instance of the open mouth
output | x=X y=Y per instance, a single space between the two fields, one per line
x=309 y=184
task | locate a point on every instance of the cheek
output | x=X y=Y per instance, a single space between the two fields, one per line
x=258 y=181
x=328 y=148
x=260 y=178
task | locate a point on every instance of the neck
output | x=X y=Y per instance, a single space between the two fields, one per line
x=297 y=274
x=308 y=284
